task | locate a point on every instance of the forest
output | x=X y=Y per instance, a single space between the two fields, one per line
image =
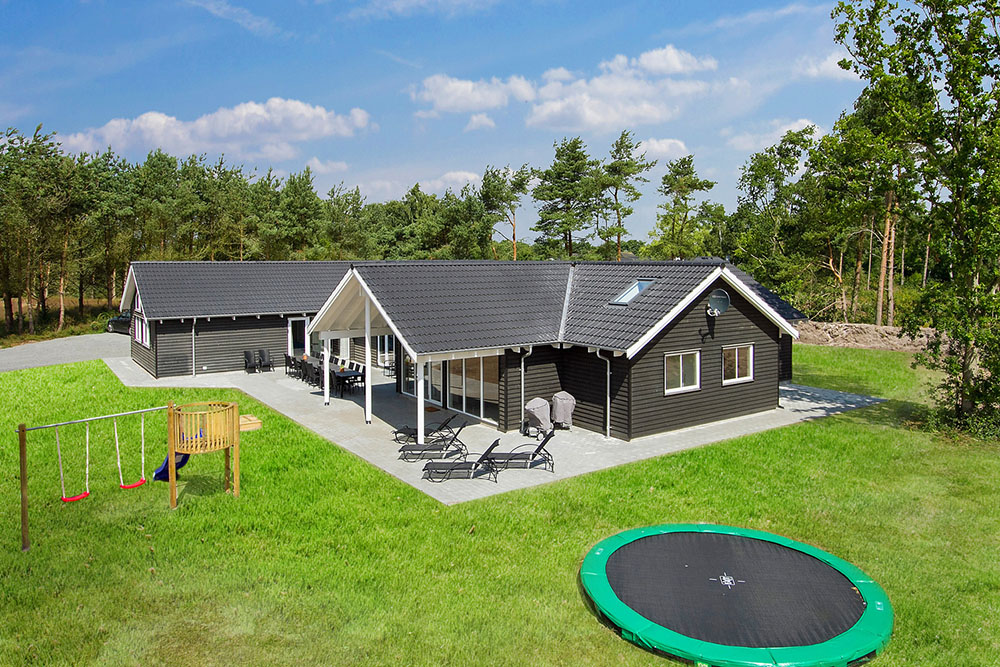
x=889 y=218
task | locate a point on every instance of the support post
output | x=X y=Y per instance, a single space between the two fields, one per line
x=172 y=453
x=368 y=360
x=420 y=401
x=236 y=450
x=326 y=371
x=22 y=441
x=194 y=361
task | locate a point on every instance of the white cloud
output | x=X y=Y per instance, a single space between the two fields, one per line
x=664 y=148
x=671 y=60
x=250 y=130
x=749 y=141
x=244 y=18
x=390 y=8
x=395 y=184
x=557 y=74
x=479 y=121
x=446 y=93
x=453 y=180
x=760 y=16
x=626 y=92
x=328 y=167
x=825 y=68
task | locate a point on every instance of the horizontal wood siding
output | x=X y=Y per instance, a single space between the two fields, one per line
x=358 y=350
x=142 y=355
x=173 y=348
x=584 y=376
x=652 y=412
x=785 y=357
x=219 y=343
x=541 y=373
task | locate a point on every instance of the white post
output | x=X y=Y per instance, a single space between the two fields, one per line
x=326 y=371
x=420 y=400
x=368 y=360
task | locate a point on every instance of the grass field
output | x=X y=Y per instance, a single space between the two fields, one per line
x=325 y=559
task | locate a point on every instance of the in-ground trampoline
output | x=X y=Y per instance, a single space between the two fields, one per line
x=726 y=596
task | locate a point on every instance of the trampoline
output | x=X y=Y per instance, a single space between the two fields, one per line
x=728 y=597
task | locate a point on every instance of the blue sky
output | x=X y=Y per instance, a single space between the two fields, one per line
x=384 y=93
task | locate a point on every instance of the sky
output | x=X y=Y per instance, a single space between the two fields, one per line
x=382 y=94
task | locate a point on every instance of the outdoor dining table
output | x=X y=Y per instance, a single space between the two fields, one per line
x=343 y=377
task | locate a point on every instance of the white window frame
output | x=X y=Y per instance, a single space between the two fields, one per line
x=722 y=360
x=632 y=291
x=682 y=389
x=140 y=332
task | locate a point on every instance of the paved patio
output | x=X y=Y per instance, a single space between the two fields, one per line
x=576 y=452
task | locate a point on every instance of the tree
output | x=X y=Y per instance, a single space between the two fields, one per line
x=622 y=173
x=674 y=235
x=565 y=191
x=501 y=192
x=948 y=51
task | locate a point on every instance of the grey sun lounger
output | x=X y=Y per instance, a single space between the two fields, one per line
x=446 y=446
x=408 y=434
x=438 y=471
x=522 y=457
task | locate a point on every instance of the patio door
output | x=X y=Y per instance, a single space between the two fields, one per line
x=386 y=350
x=433 y=380
x=297 y=336
x=474 y=387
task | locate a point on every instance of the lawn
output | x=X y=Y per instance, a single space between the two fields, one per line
x=325 y=559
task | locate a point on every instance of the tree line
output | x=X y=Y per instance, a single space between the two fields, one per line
x=890 y=218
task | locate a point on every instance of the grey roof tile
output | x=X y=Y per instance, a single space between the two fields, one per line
x=172 y=290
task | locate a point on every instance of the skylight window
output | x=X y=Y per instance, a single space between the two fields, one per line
x=634 y=290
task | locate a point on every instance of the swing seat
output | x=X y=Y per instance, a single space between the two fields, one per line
x=73 y=499
x=135 y=485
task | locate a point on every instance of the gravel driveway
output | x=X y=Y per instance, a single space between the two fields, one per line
x=64 y=351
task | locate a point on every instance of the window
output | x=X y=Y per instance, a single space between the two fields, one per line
x=737 y=364
x=634 y=290
x=140 y=331
x=681 y=372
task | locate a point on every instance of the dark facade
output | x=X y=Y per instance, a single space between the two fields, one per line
x=639 y=404
x=217 y=344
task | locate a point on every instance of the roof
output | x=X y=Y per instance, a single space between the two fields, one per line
x=449 y=306
x=175 y=290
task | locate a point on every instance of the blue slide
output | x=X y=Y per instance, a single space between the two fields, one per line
x=162 y=473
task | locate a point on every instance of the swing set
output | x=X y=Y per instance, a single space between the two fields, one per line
x=191 y=429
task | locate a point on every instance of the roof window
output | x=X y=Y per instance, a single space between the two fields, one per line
x=634 y=290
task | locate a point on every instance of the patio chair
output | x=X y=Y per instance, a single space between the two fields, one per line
x=438 y=471
x=249 y=363
x=444 y=447
x=359 y=381
x=525 y=458
x=408 y=434
x=264 y=360
x=289 y=365
x=313 y=376
x=298 y=368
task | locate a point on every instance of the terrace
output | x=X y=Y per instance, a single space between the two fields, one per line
x=576 y=452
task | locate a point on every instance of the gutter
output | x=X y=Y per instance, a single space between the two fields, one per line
x=607 y=398
x=194 y=365
x=531 y=348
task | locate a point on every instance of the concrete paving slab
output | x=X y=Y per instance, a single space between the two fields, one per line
x=64 y=351
x=576 y=452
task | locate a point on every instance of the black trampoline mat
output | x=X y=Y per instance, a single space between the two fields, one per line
x=734 y=590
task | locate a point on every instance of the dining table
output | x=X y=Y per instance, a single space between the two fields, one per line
x=344 y=377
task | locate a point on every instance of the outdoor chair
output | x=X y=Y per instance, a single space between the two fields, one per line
x=313 y=375
x=298 y=369
x=359 y=381
x=249 y=363
x=444 y=447
x=525 y=458
x=289 y=365
x=264 y=358
x=438 y=471
x=408 y=434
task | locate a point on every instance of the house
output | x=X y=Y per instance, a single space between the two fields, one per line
x=635 y=343
x=198 y=317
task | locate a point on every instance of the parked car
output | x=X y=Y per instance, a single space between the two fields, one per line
x=120 y=322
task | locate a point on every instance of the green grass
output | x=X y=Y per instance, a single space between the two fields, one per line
x=325 y=559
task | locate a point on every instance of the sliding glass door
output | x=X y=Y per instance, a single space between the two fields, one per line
x=433 y=380
x=474 y=387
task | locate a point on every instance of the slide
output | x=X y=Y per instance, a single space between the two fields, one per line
x=162 y=474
